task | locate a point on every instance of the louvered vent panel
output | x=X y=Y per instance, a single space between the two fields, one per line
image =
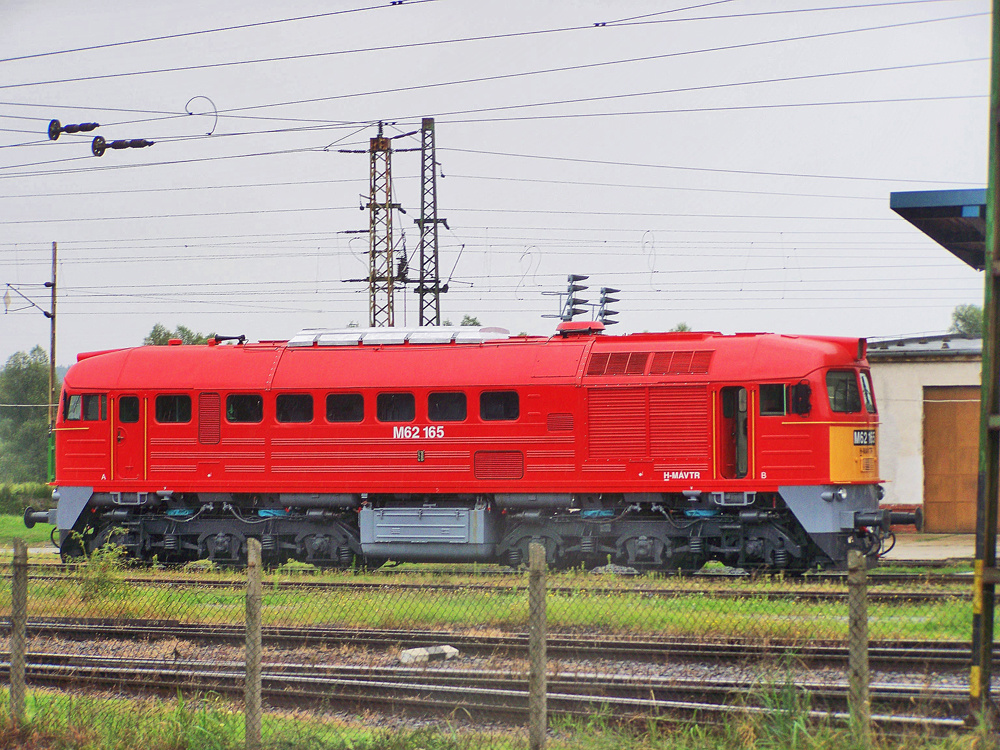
x=661 y=363
x=681 y=363
x=499 y=464
x=618 y=423
x=679 y=426
x=618 y=363
x=701 y=362
x=209 y=418
x=637 y=363
x=559 y=422
x=598 y=363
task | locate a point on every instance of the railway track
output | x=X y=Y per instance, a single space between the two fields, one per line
x=484 y=695
x=912 y=654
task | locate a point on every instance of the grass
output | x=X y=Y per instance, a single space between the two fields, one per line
x=12 y=527
x=210 y=723
x=99 y=589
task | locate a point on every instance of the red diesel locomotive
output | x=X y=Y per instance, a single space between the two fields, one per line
x=338 y=447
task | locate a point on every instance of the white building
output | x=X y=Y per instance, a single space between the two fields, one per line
x=927 y=391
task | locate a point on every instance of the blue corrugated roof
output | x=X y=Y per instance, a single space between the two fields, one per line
x=955 y=219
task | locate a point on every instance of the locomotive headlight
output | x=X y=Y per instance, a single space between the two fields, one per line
x=831 y=495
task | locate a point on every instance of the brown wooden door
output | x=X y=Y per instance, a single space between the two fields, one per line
x=951 y=458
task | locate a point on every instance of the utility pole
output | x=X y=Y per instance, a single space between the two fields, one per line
x=986 y=574
x=429 y=289
x=381 y=268
x=52 y=347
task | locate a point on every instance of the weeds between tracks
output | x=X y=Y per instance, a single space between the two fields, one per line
x=210 y=723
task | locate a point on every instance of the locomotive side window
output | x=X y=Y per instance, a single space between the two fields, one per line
x=244 y=408
x=395 y=407
x=842 y=389
x=868 y=392
x=499 y=405
x=447 y=407
x=90 y=408
x=173 y=408
x=72 y=406
x=294 y=407
x=128 y=409
x=345 y=407
x=772 y=399
x=95 y=407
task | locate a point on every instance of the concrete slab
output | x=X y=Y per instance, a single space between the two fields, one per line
x=933 y=547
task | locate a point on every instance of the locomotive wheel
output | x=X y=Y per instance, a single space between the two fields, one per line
x=521 y=551
x=72 y=548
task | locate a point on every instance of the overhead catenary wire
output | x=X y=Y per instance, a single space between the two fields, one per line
x=490 y=37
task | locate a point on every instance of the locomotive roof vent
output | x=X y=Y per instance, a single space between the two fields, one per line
x=579 y=328
x=377 y=336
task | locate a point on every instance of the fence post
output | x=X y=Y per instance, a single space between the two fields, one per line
x=252 y=688
x=18 y=631
x=858 y=696
x=537 y=717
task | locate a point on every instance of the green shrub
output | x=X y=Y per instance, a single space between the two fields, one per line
x=15 y=497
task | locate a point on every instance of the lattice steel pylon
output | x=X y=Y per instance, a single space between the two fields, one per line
x=381 y=266
x=429 y=289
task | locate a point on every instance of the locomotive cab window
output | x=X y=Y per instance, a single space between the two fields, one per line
x=89 y=407
x=842 y=389
x=868 y=393
x=247 y=408
x=772 y=399
x=294 y=407
x=345 y=407
x=128 y=409
x=499 y=405
x=447 y=407
x=395 y=407
x=173 y=408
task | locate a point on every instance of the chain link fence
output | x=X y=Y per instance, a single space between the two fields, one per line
x=446 y=656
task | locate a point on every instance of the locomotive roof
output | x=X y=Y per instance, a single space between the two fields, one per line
x=494 y=361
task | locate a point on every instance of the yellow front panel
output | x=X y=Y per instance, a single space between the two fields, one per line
x=853 y=453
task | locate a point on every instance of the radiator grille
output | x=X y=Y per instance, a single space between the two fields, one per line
x=209 y=417
x=618 y=423
x=559 y=422
x=499 y=464
x=679 y=425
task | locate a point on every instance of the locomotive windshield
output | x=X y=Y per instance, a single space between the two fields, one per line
x=842 y=389
x=868 y=392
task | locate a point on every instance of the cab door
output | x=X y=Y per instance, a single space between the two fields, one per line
x=733 y=432
x=129 y=414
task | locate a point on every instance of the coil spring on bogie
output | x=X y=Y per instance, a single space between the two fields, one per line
x=697 y=545
x=171 y=542
x=781 y=558
x=513 y=558
x=268 y=542
x=345 y=556
x=587 y=544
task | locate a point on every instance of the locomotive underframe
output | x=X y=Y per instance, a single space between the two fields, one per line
x=647 y=531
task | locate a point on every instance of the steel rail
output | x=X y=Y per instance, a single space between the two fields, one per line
x=488 y=693
x=941 y=654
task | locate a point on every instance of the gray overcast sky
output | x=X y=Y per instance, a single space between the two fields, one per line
x=726 y=164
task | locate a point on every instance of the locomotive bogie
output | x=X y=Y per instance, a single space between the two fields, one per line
x=654 y=451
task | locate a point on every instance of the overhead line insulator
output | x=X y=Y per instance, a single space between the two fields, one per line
x=99 y=145
x=56 y=129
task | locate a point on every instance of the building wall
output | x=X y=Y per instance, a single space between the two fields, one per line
x=899 y=393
